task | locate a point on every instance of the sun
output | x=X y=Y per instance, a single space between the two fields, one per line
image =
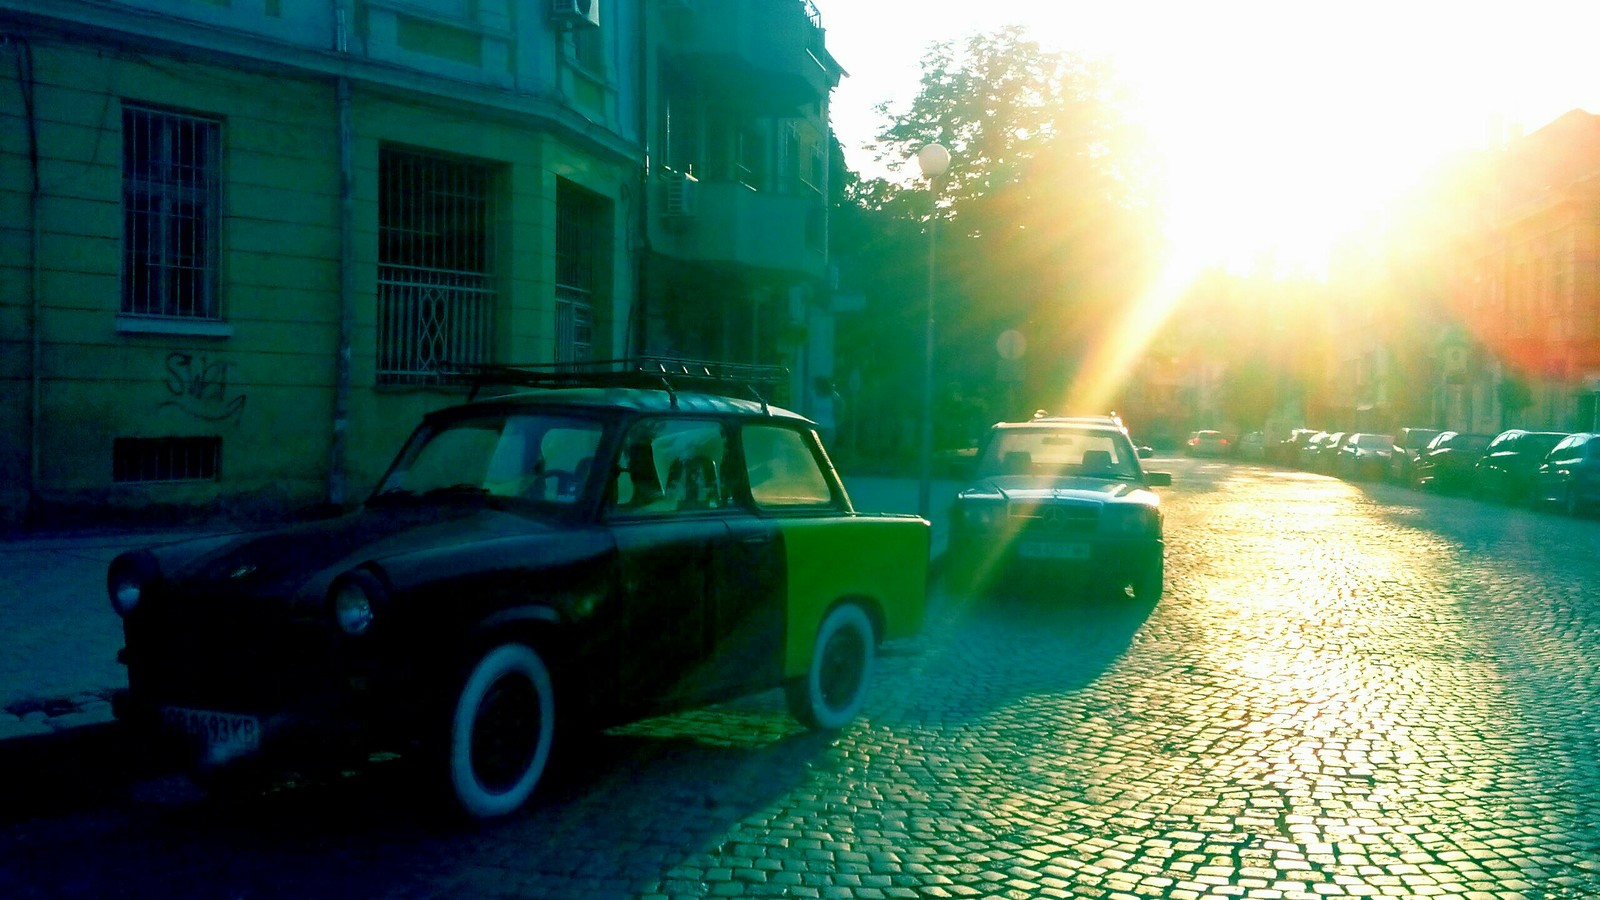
x=1283 y=127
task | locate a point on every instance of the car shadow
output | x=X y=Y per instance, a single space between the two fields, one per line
x=616 y=811
x=1011 y=643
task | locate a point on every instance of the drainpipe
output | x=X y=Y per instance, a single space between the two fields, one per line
x=24 y=55
x=638 y=341
x=338 y=448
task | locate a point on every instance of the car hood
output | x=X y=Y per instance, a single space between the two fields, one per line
x=1033 y=488
x=284 y=559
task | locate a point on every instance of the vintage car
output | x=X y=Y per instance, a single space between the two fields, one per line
x=595 y=547
x=1065 y=499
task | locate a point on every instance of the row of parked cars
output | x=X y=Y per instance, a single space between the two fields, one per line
x=1515 y=466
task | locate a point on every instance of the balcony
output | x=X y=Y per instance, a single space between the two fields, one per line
x=762 y=55
x=727 y=222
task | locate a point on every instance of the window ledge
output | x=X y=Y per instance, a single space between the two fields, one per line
x=133 y=324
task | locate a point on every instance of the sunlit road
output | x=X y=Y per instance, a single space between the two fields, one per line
x=1346 y=691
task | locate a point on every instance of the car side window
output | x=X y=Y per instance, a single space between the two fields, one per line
x=670 y=466
x=783 y=472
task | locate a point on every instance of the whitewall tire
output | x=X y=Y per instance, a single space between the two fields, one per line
x=502 y=724
x=834 y=687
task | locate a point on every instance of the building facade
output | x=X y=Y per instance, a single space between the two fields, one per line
x=1525 y=286
x=245 y=243
x=736 y=262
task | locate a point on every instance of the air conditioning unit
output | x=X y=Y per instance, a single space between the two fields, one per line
x=679 y=199
x=575 y=13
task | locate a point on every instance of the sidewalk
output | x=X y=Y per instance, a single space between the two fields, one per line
x=59 y=638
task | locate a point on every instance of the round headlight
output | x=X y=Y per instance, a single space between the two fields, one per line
x=354 y=602
x=352 y=608
x=129 y=579
x=125 y=594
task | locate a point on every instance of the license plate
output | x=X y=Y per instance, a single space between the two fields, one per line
x=1042 y=550
x=227 y=732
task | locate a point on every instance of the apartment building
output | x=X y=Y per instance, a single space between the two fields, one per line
x=1525 y=286
x=245 y=243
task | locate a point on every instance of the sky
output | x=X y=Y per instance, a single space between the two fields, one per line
x=1282 y=124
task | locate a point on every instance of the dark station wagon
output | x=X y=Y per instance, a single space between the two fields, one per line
x=602 y=545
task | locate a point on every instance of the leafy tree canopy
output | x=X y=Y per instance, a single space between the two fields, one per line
x=1046 y=212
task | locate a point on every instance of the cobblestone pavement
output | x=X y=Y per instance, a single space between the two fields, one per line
x=1346 y=691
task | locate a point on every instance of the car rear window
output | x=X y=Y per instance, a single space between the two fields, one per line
x=783 y=471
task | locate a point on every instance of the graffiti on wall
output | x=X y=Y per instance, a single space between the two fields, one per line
x=199 y=387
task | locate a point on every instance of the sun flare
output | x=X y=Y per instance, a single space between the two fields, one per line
x=1283 y=127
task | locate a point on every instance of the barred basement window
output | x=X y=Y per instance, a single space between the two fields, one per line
x=579 y=218
x=165 y=459
x=171 y=202
x=436 y=262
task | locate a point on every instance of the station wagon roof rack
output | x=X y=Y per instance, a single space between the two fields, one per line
x=666 y=373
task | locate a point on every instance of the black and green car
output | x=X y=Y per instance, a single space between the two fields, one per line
x=1061 y=501
x=597 y=547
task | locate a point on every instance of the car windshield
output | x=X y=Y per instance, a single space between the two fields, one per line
x=1055 y=452
x=521 y=456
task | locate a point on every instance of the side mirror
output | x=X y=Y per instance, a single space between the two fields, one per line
x=1158 y=479
x=1145 y=452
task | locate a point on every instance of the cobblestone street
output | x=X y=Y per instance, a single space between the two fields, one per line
x=1347 y=690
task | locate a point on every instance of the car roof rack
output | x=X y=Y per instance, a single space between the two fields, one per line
x=666 y=373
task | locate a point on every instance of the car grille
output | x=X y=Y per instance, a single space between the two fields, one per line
x=227 y=654
x=1056 y=517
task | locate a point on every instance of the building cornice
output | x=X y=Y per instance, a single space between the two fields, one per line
x=120 y=26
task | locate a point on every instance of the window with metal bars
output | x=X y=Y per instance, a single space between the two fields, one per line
x=580 y=218
x=171 y=203
x=436 y=295
x=165 y=459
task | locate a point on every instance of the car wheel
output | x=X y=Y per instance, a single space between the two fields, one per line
x=1149 y=581
x=502 y=725
x=834 y=686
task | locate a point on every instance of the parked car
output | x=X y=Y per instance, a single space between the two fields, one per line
x=1505 y=471
x=1449 y=462
x=1364 y=456
x=618 y=541
x=1288 y=451
x=1328 y=451
x=1206 y=443
x=1065 y=500
x=1408 y=445
x=1253 y=446
x=1569 y=476
x=1308 y=451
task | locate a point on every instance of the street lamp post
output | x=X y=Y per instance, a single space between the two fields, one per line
x=933 y=160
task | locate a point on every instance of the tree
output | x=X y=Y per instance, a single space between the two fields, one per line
x=1045 y=213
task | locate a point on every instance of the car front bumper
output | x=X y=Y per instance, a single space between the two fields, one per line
x=1088 y=562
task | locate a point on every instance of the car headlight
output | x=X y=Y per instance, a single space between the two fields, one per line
x=982 y=515
x=130 y=578
x=355 y=601
x=1131 y=520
